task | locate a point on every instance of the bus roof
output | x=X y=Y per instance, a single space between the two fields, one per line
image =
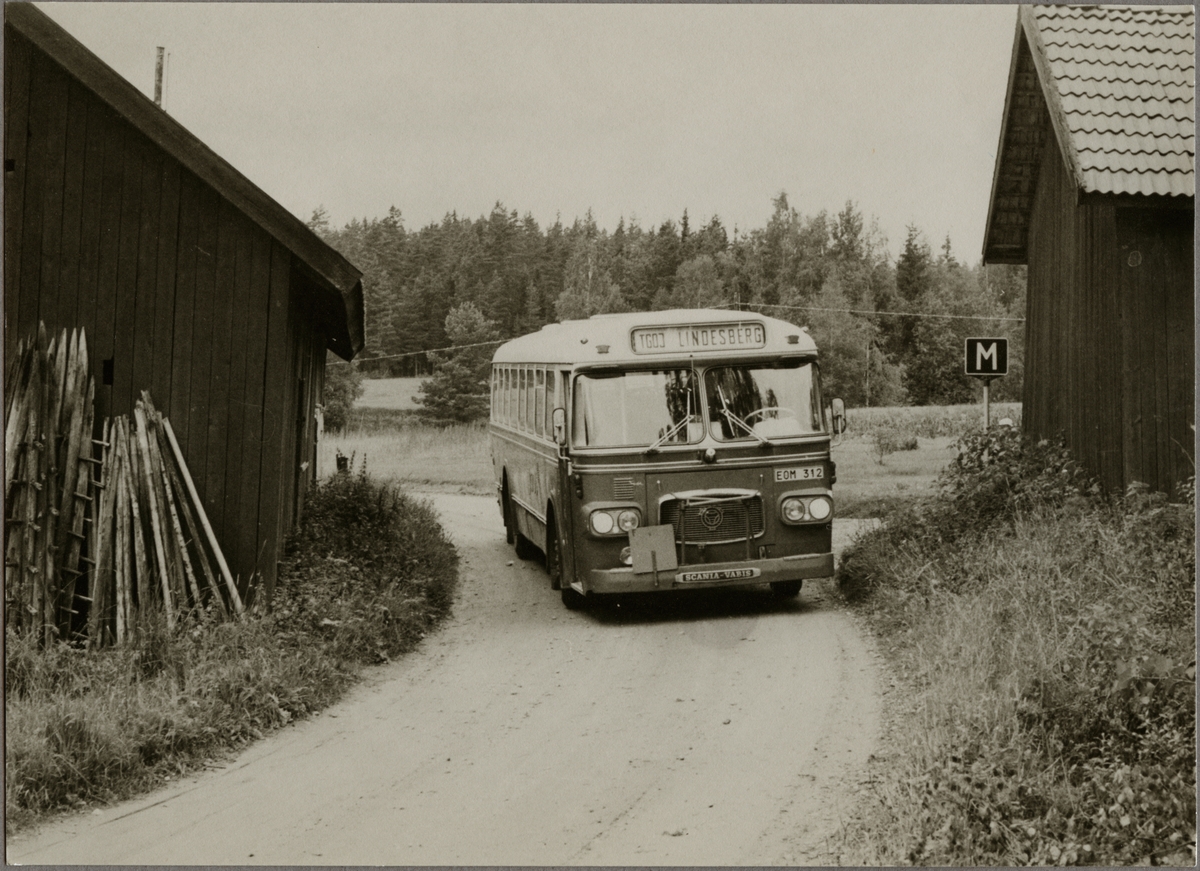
x=644 y=337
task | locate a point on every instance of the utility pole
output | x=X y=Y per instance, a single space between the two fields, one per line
x=158 y=77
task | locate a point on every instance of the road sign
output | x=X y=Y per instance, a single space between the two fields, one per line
x=987 y=358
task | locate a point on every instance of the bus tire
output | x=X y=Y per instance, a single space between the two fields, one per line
x=553 y=558
x=786 y=589
x=506 y=510
x=525 y=548
x=573 y=599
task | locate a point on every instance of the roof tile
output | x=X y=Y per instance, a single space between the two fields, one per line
x=1125 y=81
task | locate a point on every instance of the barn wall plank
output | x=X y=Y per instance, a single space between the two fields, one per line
x=179 y=401
x=16 y=115
x=275 y=424
x=254 y=419
x=107 y=264
x=51 y=141
x=242 y=538
x=202 y=338
x=127 y=265
x=72 y=202
x=90 y=219
x=148 y=296
x=1181 y=345
x=220 y=352
x=165 y=284
x=37 y=169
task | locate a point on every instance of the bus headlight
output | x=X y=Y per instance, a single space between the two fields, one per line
x=793 y=510
x=602 y=522
x=820 y=508
x=627 y=521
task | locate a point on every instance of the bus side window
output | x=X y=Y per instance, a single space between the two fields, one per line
x=551 y=377
x=521 y=399
x=495 y=393
x=506 y=411
x=529 y=399
x=539 y=411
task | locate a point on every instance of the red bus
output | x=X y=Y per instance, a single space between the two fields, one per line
x=665 y=450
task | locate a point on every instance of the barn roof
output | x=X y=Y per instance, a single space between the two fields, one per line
x=342 y=309
x=1118 y=86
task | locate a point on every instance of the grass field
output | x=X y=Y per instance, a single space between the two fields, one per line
x=397 y=447
x=395 y=394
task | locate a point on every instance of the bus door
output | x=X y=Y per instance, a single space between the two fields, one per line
x=564 y=487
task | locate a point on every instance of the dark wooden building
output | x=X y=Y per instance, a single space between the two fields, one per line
x=1094 y=189
x=191 y=282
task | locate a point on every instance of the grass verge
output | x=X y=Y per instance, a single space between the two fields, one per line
x=368 y=576
x=1044 y=642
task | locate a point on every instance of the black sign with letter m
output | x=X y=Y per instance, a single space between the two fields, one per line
x=987 y=357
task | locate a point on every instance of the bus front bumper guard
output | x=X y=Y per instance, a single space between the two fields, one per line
x=728 y=574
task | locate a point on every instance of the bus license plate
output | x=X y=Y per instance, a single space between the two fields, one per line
x=800 y=473
x=716 y=575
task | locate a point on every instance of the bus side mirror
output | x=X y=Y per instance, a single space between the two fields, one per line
x=560 y=425
x=839 y=416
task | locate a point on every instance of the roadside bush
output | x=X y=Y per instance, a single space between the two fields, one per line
x=369 y=573
x=1045 y=641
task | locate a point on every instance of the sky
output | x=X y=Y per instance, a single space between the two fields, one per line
x=632 y=111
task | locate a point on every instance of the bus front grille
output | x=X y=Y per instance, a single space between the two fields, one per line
x=714 y=520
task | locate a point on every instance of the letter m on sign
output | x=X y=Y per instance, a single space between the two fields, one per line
x=987 y=357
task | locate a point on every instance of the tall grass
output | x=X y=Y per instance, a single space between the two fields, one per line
x=368 y=576
x=1045 y=643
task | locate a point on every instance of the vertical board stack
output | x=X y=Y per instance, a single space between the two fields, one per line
x=144 y=538
x=47 y=482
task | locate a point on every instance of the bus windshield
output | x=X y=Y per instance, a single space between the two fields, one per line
x=763 y=401
x=637 y=408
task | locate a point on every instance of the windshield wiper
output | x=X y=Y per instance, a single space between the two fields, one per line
x=669 y=434
x=734 y=419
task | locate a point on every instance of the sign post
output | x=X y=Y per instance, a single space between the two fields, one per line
x=986 y=359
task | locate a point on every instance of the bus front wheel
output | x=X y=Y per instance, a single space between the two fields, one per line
x=553 y=560
x=786 y=589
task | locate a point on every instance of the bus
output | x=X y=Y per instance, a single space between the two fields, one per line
x=665 y=450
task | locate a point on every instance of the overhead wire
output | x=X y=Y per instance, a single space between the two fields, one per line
x=850 y=311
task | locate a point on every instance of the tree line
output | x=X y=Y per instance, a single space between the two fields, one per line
x=890 y=330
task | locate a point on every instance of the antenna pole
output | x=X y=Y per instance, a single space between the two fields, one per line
x=158 y=77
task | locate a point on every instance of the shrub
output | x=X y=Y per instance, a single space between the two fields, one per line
x=343 y=386
x=369 y=573
x=1046 y=641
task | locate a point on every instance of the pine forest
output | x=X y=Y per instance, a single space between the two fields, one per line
x=890 y=329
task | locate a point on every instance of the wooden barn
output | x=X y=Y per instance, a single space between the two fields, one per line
x=1094 y=189
x=191 y=282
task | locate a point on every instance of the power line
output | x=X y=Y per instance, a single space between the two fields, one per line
x=811 y=308
x=854 y=311
x=417 y=353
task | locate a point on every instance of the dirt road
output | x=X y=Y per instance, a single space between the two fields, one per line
x=702 y=728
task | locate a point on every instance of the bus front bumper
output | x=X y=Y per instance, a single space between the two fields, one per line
x=698 y=575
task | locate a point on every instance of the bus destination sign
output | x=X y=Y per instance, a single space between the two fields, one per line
x=700 y=337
